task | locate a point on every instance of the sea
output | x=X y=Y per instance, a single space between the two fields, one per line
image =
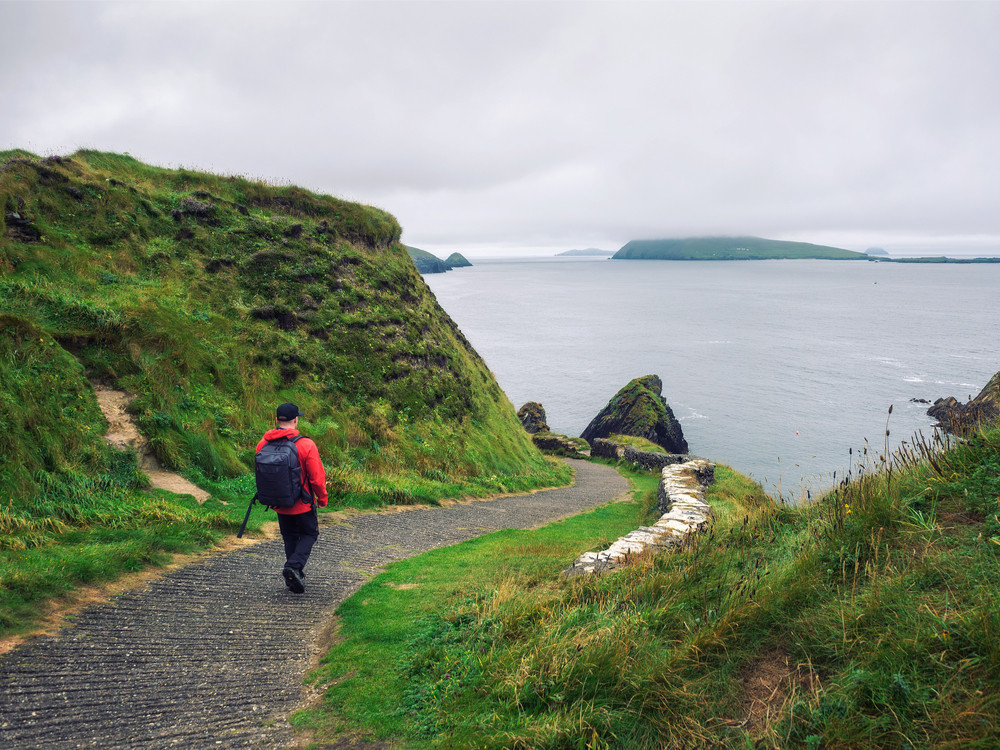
x=785 y=370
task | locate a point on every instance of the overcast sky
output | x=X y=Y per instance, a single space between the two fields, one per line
x=501 y=127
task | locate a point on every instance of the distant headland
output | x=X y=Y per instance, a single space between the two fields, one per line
x=935 y=259
x=429 y=263
x=590 y=252
x=759 y=248
x=730 y=248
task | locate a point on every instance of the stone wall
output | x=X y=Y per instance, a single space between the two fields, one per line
x=681 y=501
x=547 y=441
x=648 y=460
x=687 y=483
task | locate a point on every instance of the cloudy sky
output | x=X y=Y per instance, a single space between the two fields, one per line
x=512 y=127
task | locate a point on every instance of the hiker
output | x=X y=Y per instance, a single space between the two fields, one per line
x=298 y=522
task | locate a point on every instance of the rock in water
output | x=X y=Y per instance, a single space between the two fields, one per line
x=957 y=417
x=639 y=409
x=532 y=416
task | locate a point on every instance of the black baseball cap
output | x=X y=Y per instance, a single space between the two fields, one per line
x=288 y=412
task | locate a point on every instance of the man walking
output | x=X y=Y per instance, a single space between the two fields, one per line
x=299 y=523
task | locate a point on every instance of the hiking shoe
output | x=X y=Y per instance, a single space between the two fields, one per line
x=293 y=579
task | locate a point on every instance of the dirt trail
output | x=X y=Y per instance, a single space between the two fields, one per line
x=123 y=435
x=213 y=655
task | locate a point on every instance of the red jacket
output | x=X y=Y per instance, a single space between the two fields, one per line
x=313 y=475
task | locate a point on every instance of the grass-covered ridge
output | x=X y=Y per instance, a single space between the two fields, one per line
x=867 y=618
x=730 y=248
x=212 y=299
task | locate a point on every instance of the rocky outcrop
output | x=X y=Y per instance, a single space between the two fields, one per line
x=20 y=228
x=532 y=416
x=681 y=501
x=648 y=460
x=639 y=409
x=955 y=416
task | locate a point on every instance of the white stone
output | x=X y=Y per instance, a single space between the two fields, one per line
x=687 y=513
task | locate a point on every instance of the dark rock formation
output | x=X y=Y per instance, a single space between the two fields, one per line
x=957 y=417
x=532 y=416
x=20 y=228
x=457 y=260
x=639 y=409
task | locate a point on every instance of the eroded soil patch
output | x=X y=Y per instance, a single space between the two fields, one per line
x=124 y=435
x=768 y=684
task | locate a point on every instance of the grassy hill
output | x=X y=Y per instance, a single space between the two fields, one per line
x=729 y=248
x=867 y=618
x=212 y=299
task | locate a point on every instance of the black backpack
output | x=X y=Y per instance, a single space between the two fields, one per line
x=279 y=474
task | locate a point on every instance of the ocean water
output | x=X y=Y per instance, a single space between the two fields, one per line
x=776 y=368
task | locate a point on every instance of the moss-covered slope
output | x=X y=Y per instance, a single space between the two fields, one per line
x=213 y=298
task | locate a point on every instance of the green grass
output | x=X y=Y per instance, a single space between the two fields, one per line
x=213 y=299
x=637 y=442
x=869 y=618
x=385 y=675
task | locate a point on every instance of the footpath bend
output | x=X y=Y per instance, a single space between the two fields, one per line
x=213 y=655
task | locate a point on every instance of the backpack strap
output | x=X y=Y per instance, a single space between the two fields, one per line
x=305 y=481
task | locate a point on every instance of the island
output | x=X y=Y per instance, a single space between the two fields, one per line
x=936 y=259
x=428 y=263
x=590 y=252
x=730 y=248
x=457 y=260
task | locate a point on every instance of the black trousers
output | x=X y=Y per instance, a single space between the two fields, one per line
x=299 y=532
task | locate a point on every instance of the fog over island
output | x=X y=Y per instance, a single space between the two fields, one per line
x=527 y=128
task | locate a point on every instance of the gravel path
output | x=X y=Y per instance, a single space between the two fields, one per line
x=213 y=655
